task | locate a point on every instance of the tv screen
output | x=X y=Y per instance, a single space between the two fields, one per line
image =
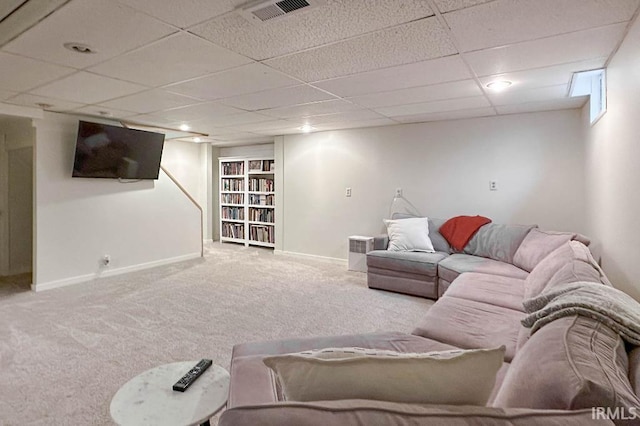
x=104 y=151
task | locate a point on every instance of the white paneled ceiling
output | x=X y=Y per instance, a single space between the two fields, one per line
x=344 y=64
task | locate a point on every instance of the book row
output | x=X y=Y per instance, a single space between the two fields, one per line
x=261 y=200
x=261 y=215
x=261 y=165
x=233 y=230
x=232 y=198
x=235 y=184
x=236 y=213
x=261 y=185
x=263 y=234
x=234 y=168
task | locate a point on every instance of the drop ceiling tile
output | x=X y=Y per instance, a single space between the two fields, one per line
x=314 y=108
x=231 y=120
x=151 y=120
x=266 y=125
x=176 y=58
x=198 y=112
x=108 y=27
x=510 y=97
x=542 y=77
x=436 y=106
x=450 y=5
x=503 y=22
x=238 y=81
x=277 y=98
x=26 y=99
x=556 y=104
x=184 y=13
x=356 y=124
x=21 y=74
x=421 y=40
x=447 y=115
x=423 y=73
x=334 y=21
x=240 y=136
x=572 y=47
x=435 y=92
x=95 y=88
x=104 y=112
x=149 y=101
x=344 y=117
x=197 y=139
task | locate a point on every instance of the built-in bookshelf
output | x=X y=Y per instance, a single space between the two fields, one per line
x=247 y=201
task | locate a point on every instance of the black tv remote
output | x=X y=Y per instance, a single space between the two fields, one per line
x=186 y=380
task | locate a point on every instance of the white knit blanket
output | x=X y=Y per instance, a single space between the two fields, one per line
x=612 y=307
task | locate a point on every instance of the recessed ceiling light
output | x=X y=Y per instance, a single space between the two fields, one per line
x=307 y=128
x=44 y=105
x=184 y=127
x=499 y=85
x=105 y=113
x=79 y=48
x=196 y=139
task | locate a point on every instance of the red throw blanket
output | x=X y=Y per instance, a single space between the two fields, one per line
x=459 y=230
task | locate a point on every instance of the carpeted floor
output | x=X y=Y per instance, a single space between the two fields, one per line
x=65 y=352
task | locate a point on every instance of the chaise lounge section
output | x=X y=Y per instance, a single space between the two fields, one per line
x=556 y=376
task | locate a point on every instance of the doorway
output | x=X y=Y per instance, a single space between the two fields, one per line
x=16 y=204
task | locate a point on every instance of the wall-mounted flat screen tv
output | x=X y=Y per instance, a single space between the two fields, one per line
x=104 y=151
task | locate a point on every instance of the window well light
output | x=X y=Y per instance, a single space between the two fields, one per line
x=307 y=128
x=499 y=85
x=196 y=139
x=184 y=127
x=592 y=83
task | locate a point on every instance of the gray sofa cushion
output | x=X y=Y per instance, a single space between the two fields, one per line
x=506 y=292
x=359 y=412
x=572 y=363
x=469 y=324
x=458 y=263
x=412 y=262
x=498 y=242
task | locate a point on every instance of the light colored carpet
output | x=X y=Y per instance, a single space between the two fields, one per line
x=65 y=352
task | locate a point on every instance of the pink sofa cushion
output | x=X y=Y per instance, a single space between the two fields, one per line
x=469 y=324
x=569 y=364
x=569 y=263
x=537 y=245
x=458 y=263
x=495 y=290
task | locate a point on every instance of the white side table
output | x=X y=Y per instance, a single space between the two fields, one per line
x=148 y=399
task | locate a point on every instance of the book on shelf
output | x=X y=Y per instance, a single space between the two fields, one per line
x=233 y=168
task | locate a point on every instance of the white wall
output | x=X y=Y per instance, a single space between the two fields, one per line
x=444 y=168
x=79 y=220
x=613 y=168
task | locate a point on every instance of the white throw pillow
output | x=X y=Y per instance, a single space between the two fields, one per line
x=458 y=377
x=411 y=234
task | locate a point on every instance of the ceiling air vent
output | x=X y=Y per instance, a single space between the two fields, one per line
x=271 y=9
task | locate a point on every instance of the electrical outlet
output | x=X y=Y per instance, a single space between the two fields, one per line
x=493 y=185
x=347 y=192
x=106 y=260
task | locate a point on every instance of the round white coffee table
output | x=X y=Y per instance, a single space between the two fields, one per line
x=148 y=399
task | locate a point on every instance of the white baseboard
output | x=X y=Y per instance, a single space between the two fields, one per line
x=334 y=260
x=111 y=272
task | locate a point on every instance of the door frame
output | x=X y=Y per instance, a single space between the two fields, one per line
x=4 y=206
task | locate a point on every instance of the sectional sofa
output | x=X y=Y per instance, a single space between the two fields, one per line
x=568 y=372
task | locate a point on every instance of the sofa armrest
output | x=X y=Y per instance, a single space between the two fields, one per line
x=380 y=242
x=358 y=412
